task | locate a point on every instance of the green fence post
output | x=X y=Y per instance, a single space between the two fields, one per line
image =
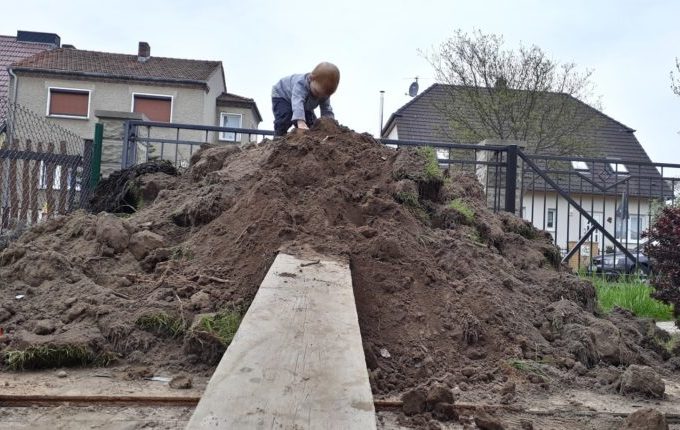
x=96 y=166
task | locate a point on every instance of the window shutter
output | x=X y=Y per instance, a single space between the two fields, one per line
x=155 y=108
x=67 y=102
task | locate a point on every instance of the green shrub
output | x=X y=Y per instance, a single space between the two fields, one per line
x=663 y=248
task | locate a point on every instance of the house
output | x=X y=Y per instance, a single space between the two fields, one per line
x=618 y=172
x=16 y=48
x=77 y=88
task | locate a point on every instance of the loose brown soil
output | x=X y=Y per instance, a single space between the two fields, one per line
x=474 y=304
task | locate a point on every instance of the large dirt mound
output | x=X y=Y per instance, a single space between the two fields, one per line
x=446 y=291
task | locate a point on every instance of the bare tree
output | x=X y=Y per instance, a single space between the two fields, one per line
x=675 y=79
x=494 y=92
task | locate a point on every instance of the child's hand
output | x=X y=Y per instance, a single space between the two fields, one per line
x=301 y=125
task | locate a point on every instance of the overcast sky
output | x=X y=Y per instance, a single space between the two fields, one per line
x=630 y=45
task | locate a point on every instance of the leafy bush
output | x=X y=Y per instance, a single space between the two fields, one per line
x=663 y=247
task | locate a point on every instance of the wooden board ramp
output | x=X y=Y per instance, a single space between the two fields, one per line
x=297 y=360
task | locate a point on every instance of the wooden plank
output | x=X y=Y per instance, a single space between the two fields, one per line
x=35 y=180
x=3 y=209
x=25 y=186
x=296 y=361
x=50 y=168
x=63 y=180
x=14 y=198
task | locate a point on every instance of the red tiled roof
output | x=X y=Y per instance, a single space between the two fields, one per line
x=118 y=66
x=12 y=51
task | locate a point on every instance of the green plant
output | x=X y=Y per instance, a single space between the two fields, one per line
x=432 y=171
x=411 y=201
x=462 y=208
x=632 y=294
x=222 y=325
x=50 y=356
x=162 y=323
x=528 y=366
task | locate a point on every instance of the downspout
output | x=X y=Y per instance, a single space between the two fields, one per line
x=12 y=104
x=14 y=83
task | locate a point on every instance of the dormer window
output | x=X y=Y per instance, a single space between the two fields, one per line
x=618 y=168
x=580 y=165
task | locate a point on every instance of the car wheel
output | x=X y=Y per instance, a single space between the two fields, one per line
x=641 y=271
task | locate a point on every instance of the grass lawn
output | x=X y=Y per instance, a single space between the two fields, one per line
x=632 y=294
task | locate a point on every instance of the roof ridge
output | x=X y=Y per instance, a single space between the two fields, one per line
x=547 y=92
x=62 y=49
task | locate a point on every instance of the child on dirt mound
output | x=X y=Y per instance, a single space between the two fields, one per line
x=295 y=97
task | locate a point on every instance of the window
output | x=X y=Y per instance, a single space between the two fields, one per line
x=69 y=103
x=155 y=107
x=579 y=165
x=234 y=120
x=638 y=224
x=618 y=168
x=550 y=220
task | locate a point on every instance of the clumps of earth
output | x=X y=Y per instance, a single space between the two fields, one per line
x=454 y=301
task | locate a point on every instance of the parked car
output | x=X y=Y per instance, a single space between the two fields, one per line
x=618 y=263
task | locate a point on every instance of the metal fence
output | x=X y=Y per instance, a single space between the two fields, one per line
x=146 y=140
x=589 y=206
x=593 y=208
x=44 y=169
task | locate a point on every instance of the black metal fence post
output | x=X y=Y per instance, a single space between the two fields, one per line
x=511 y=178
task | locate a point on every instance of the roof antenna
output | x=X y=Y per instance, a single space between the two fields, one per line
x=413 y=89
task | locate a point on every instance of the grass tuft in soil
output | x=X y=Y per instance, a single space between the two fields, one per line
x=162 y=323
x=432 y=171
x=222 y=325
x=49 y=356
x=632 y=294
x=462 y=208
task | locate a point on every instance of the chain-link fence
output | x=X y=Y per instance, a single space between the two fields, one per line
x=44 y=169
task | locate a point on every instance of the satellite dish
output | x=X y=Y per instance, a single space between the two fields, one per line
x=413 y=89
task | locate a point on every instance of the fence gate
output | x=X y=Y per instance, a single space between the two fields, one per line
x=44 y=169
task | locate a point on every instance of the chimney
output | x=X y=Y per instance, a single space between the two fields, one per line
x=144 y=52
x=38 y=37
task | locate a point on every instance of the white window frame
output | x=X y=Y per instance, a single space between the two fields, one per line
x=154 y=96
x=228 y=136
x=74 y=90
x=581 y=166
x=554 y=217
x=619 y=168
x=643 y=226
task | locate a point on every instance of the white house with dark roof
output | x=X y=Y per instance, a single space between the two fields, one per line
x=78 y=88
x=423 y=119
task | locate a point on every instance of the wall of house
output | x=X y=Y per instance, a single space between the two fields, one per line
x=569 y=224
x=188 y=105
x=215 y=88
x=248 y=120
x=394 y=133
